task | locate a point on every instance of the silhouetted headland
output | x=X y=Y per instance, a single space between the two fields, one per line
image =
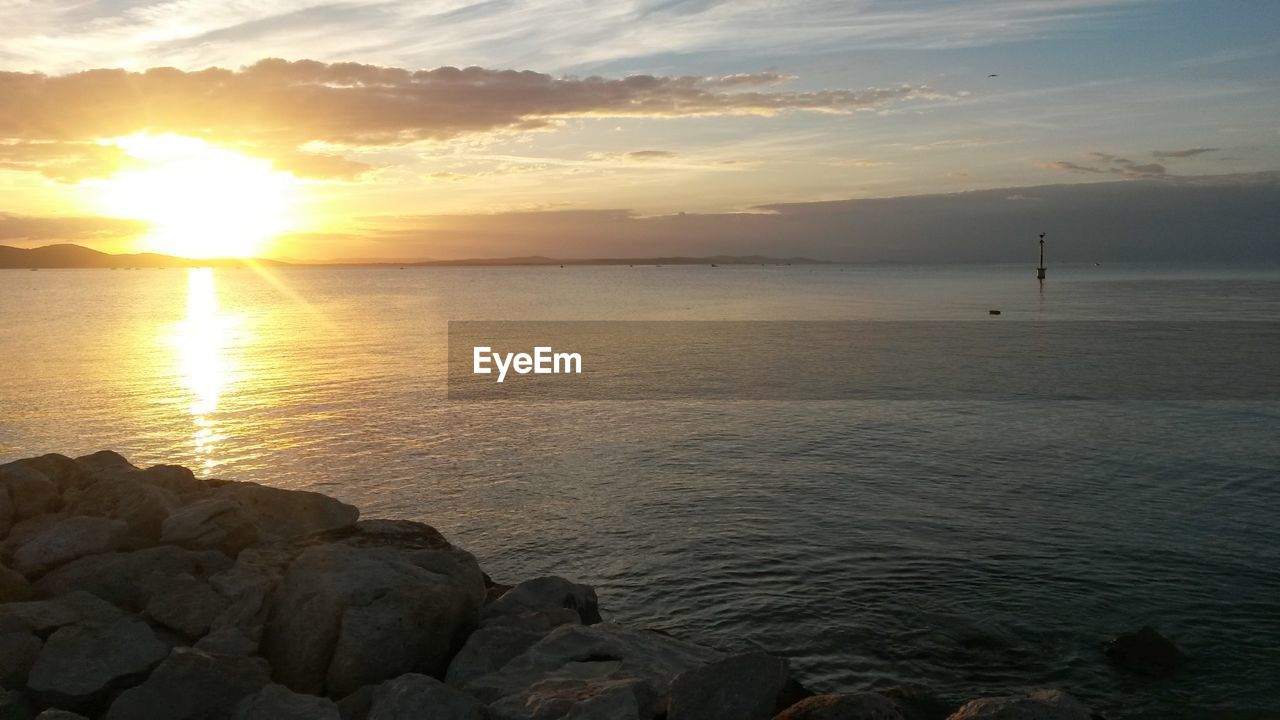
x=150 y=593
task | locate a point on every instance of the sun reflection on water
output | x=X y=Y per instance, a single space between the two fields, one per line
x=202 y=340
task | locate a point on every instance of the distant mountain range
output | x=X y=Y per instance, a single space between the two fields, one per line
x=77 y=256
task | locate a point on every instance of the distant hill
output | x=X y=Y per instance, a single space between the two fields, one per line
x=76 y=256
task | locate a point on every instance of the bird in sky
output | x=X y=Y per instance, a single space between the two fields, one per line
x=993 y=76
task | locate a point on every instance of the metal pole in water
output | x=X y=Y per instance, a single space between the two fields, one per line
x=1040 y=269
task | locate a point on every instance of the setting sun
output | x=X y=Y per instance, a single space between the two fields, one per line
x=200 y=200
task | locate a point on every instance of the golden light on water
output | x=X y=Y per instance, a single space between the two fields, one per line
x=200 y=200
x=202 y=341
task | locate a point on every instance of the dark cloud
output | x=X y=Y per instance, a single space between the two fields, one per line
x=23 y=229
x=278 y=106
x=1205 y=218
x=1110 y=164
x=1190 y=152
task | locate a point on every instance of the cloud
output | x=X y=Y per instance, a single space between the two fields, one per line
x=62 y=161
x=276 y=106
x=1110 y=164
x=44 y=230
x=1190 y=152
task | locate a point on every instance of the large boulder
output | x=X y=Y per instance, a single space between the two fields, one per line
x=84 y=661
x=43 y=617
x=277 y=702
x=14 y=586
x=128 y=579
x=368 y=606
x=57 y=714
x=28 y=493
x=852 y=706
x=742 y=687
x=142 y=506
x=15 y=705
x=419 y=697
x=1145 y=651
x=19 y=648
x=184 y=604
x=575 y=663
x=192 y=685
x=247 y=588
x=1036 y=705
x=488 y=649
x=546 y=595
x=284 y=514
x=210 y=524
x=68 y=539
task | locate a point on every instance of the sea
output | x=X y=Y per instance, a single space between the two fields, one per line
x=972 y=547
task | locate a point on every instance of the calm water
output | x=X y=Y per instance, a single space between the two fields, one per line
x=971 y=547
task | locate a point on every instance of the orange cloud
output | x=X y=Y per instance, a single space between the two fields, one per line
x=278 y=106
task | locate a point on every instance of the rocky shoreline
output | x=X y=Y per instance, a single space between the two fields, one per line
x=149 y=593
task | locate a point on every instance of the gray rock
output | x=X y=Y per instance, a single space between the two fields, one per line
x=13 y=586
x=64 y=474
x=419 y=697
x=82 y=661
x=184 y=604
x=356 y=705
x=15 y=705
x=576 y=662
x=69 y=539
x=18 y=652
x=8 y=515
x=488 y=649
x=210 y=524
x=56 y=714
x=174 y=478
x=547 y=595
x=1036 y=705
x=1145 y=651
x=105 y=462
x=30 y=492
x=357 y=612
x=277 y=702
x=44 y=616
x=192 y=685
x=128 y=578
x=284 y=514
x=247 y=587
x=142 y=506
x=853 y=706
x=742 y=687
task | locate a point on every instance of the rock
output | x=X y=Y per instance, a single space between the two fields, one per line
x=547 y=595
x=575 y=663
x=356 y=705
x=247 y=587
x=30 y=493
x=7 y=512
x=583 y=699
x=44 y=616
x=488 y=649
x=353 y=613
x=192 y=685
x=105 y=462
x=742 y=687
x=14 y=705
x=56 y=714
x=419 y=697
x=13 y=586
x=1145 y=651
x=284 y=514
x=210 y=524
x=69 y=539
x=173 y=478
x=142 y=506
x=277 y=702
x=918 y=703
x=853 y=706
x=82 y=661
x=184 y=604
x=127 y=579
x=1036 y=705
x=18 y=652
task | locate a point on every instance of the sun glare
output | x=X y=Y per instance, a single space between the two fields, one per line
x=200 y=200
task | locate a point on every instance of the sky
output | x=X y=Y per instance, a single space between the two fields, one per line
x=827 y=128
